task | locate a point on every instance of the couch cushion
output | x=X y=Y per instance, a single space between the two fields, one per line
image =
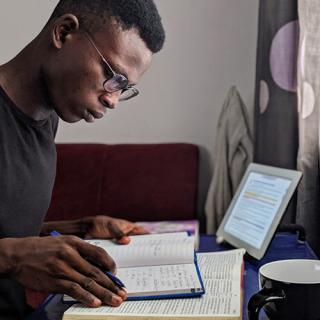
x=131 y=181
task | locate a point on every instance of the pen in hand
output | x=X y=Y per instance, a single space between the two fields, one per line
x=112 y=277
x=115 y=279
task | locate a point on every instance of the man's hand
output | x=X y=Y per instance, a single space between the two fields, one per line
x=64 y=264
x=102 y=227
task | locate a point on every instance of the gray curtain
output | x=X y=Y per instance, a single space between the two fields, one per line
x=276 y=116
x=309 y=99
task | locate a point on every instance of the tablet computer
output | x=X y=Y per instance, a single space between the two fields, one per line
x=257 y=207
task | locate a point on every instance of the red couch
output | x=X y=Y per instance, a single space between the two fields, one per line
x=132 y=181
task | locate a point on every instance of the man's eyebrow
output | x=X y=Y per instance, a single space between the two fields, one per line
x=118 y=69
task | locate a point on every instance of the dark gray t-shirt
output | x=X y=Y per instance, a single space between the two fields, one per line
x=27 y=173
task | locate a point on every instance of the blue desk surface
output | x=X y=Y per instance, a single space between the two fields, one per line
x=283 y=246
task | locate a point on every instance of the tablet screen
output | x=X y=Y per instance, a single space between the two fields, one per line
x=256 y=207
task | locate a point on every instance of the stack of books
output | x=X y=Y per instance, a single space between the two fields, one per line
x=190 y=226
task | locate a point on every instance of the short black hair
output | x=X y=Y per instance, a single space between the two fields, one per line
x=139 y=14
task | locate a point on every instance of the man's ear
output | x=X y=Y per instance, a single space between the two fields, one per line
x=63 y=28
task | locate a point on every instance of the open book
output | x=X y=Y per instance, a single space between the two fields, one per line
x=222 y=273
x=156 y=266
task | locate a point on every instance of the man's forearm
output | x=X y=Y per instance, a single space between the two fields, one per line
x=7 y=258
x=76 y=227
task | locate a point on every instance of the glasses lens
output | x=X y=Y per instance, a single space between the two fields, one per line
x=128 y=94
x=116 y=83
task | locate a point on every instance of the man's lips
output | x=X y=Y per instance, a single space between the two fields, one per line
x=96 y=115
x=90 y=116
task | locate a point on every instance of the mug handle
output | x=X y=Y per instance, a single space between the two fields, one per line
x=259 y=299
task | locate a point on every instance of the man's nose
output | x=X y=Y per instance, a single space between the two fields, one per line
x=111 y=99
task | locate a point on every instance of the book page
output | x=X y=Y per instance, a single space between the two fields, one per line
x=165 y=279
x=222 y=276
x=149 y=250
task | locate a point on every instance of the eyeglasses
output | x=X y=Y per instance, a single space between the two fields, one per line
x=116 y=82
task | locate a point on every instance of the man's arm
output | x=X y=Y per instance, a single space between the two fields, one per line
x=102 y=227
x=64 y=264
x=71 y=227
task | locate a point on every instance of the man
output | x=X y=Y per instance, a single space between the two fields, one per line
x=87 y=58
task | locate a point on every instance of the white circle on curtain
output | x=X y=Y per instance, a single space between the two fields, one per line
x=264 y=96
x=283 y=56
x=302 y=57
x=308 y=100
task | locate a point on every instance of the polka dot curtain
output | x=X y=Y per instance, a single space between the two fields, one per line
x=308 y=209
x=276 y=115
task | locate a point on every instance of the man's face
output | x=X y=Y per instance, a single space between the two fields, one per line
x=75 y=81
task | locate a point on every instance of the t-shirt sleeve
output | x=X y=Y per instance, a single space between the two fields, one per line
x=55 y=122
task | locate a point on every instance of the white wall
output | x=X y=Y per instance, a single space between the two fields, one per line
x=211 y=45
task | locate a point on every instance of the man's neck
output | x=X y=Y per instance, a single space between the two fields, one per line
x=21 y=79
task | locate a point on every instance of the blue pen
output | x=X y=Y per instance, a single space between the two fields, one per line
x=55 y=233
x=112 y=277
x=115 y=279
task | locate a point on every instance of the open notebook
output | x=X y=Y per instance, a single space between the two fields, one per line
x=223 y=278
x=156 y=266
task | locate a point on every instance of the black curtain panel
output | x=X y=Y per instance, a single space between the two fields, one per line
x=308 y=210
x=276 y=115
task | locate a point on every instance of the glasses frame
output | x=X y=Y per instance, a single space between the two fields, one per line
x=114 y=75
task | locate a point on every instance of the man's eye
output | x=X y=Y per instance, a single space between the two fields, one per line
x=108 y=73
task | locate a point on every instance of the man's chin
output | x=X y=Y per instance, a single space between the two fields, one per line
x=70 y=119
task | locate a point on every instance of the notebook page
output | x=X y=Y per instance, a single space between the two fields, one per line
x=148 y=250
x=164 y=279
x=144 y=239
x=224 y=302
